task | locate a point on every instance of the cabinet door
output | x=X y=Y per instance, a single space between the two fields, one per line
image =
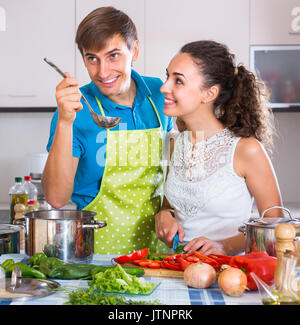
x=133 y=8
x=274 y=22
x=34 y=30
x=177 y=23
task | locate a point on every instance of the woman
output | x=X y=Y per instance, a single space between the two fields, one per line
x=220 y=163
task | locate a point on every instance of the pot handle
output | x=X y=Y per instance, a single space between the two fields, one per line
x=275 y=207
x=242 y=229
x=95 y=224
x=20 y=222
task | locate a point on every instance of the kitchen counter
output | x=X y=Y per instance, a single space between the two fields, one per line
x=169 y=292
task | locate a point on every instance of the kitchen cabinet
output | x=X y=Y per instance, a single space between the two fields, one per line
x=177 y=23
x=133 y=8
x=35 y=29
x=274 y=22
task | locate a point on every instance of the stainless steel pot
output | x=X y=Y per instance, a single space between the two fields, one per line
x=65 y=234
x=260 y=232
x=9 y=239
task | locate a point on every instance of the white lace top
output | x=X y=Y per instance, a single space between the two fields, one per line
x=208 y=197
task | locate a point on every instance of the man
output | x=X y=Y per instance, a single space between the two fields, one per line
x=118 y=172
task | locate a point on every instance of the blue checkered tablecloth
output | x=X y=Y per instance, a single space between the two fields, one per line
x=168 y=291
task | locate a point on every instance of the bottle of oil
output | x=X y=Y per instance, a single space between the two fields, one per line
x=31 y=189
x=17 y=194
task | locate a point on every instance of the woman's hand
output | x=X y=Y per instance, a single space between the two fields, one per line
x=68 y=99
x=205 y=246
x=166 y=227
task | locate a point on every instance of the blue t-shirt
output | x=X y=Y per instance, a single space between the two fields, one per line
x=89 y=140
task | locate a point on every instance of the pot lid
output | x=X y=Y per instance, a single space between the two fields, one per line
x=63 y=214
x=18 y=287
x=6 y=229
x=268 y=222
x=271 y=222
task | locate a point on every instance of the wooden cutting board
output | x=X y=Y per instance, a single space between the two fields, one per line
x=158 y=273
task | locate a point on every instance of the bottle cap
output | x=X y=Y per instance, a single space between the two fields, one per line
x=31 y=202
x=27 y=178
x=18 y=179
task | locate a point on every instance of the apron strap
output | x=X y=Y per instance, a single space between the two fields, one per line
x=149 y=98
x=100 y=106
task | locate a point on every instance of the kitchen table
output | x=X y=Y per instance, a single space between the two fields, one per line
x=168 y=292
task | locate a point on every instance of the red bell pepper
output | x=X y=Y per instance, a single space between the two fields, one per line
x=136 y=255
x=260 y=263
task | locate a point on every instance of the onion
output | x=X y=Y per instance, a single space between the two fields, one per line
x=232 y=281
x=199 y=275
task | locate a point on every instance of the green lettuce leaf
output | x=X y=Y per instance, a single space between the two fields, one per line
x=117 y=280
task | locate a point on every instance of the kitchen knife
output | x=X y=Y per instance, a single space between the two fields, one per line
x=175 y=242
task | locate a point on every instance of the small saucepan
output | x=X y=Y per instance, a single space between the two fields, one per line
x=9 y=239
x=260 y=232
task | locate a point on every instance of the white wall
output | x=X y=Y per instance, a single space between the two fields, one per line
x=286 y=156
x=20 y=134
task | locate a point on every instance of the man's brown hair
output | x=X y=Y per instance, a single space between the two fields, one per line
x=102 y=24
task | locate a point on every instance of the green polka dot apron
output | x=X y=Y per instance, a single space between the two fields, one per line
x=131 y=191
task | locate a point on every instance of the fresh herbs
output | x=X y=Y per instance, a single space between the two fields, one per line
x=93 y=297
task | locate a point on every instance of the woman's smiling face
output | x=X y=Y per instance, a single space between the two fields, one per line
x=184 y=89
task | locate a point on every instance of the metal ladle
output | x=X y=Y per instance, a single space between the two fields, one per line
x=105 y=122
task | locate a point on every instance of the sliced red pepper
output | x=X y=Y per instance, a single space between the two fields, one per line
x=144 y=263
x=184 y=263
x=208 y=260
x=221 y=259
x=192 y=258
x=136 y=255
x=155 y=265
x=172 y=266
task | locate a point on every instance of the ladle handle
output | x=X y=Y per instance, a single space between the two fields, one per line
x=55 y=67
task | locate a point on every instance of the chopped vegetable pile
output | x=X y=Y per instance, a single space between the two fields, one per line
x=179 y=262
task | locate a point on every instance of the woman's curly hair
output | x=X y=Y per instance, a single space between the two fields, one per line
x=242 y=103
